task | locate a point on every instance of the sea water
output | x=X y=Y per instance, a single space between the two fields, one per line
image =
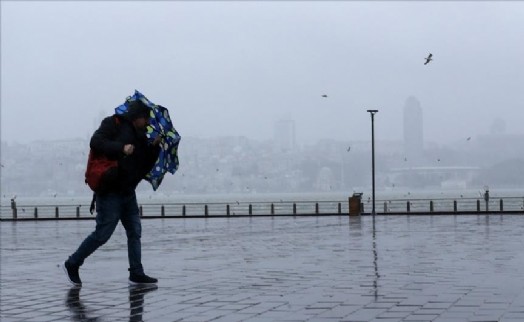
x=341 y=196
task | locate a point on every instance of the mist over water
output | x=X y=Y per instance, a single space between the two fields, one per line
x=270 y=97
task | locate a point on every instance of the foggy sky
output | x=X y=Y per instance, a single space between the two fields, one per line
x=237 y=67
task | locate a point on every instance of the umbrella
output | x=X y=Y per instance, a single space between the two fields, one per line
x=159 y=125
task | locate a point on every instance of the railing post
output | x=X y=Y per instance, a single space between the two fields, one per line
x=501 y=205
x=316 y=208
x=272 y=209
x=162 y=211
x=184 y=210
x=227 y=210
x=36 y=212
x=141 y=211
x=56 y=212
x=339 y=208
x=385 y=207
x=77 y=212
x=206 y=213
x=250 y=209
x=478 y=205
x=408 y=206
x=431 y=206
x=13 y=207
x=294 y=208
x=454 y=205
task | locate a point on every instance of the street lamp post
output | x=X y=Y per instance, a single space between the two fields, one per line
x=372 y=113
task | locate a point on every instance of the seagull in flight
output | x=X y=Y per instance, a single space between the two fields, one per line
x=324 y=95
x=428 y=59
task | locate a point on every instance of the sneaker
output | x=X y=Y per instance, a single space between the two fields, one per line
x=141 y=279
x=72 y=274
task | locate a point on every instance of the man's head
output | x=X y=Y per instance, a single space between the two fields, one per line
x=138 y=113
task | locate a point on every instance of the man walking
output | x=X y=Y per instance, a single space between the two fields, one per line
x=122 y=138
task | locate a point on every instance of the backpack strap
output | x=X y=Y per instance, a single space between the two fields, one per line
x=92 y=207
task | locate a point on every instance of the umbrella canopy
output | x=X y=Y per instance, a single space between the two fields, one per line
x=159 y=125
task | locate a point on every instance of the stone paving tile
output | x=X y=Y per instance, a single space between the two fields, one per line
x=392 y=268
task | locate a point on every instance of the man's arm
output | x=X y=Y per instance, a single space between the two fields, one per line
x=152 y=153
x=102 y=140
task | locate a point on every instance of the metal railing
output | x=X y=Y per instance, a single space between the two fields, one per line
x=281 y=208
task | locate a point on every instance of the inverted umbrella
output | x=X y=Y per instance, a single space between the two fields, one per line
x=159 y=125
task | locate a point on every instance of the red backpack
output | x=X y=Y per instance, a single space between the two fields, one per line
x=99 y=168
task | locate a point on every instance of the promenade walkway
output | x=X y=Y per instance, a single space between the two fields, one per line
x=335 y=268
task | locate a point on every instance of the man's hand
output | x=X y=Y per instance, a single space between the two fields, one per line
x=128 y=149
x=157 y=140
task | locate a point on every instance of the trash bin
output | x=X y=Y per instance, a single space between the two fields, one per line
x=355 y=204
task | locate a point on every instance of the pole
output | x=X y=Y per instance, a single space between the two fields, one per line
x=372 y=112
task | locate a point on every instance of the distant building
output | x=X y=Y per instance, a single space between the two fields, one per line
x=413 y=130
x=285 y=135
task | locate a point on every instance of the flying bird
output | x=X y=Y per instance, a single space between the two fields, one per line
x=469 y=138
x=324 y=95
x=428 y=59
x=349 y=148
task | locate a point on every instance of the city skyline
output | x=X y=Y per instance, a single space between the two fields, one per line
x=235 y=68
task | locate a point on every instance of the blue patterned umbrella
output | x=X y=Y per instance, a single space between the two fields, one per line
x=159 y=125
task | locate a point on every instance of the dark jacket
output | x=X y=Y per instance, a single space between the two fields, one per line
x=109 y=139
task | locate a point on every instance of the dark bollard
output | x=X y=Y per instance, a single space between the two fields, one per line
x=294 y=208
x=316 y=208
x=227 y=210
x=250 y=210
x=339 y=208
x=77 y=212
x=431 y=206
x=184 y=210
x=56 y=212
x=206 y=213
x=13 y=207
x=36 y=212
x=486 y=198
x=162 y=211
x=478 y=205
x=501 y=205
x=454 y=205
x=408 y=206
x=272 y=209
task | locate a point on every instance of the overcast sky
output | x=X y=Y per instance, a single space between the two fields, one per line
x=237 y=67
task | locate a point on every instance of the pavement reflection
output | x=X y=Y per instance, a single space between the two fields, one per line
x=136 y=300
x=80 y=312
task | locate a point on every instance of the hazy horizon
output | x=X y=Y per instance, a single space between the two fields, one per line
x=237 y=67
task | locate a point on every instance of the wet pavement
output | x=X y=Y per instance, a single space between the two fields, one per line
x=392 y=268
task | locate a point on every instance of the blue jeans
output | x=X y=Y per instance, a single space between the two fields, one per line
x=111 y=208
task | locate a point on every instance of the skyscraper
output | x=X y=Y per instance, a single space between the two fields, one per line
x=413 y=130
